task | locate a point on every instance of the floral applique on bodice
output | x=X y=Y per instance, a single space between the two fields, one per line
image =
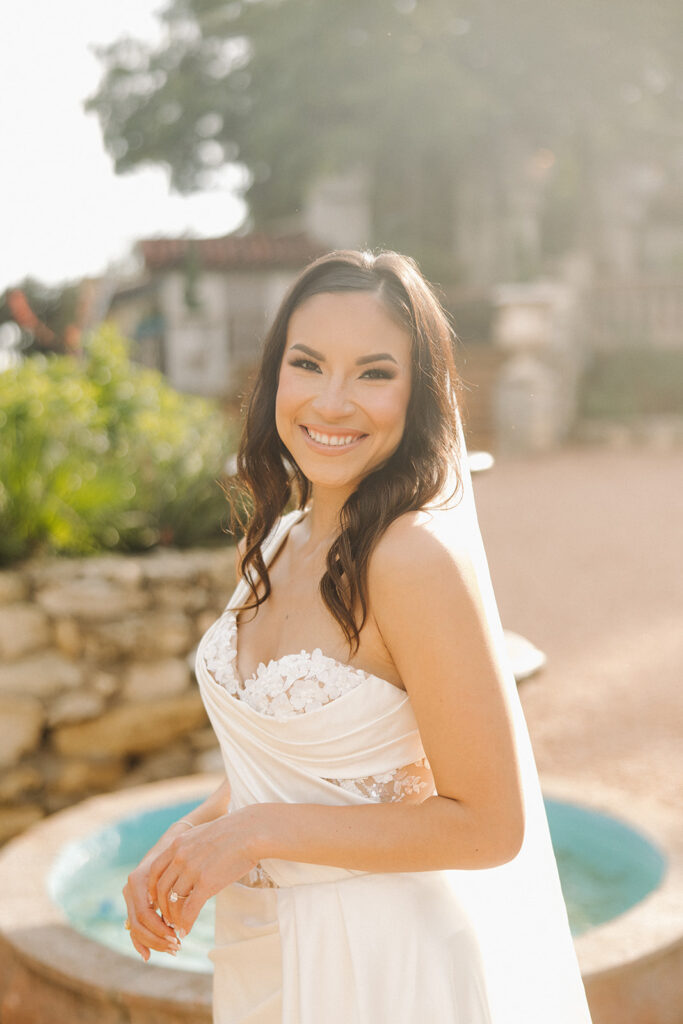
x=298 y=684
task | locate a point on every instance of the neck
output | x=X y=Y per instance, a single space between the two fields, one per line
x=323 y=519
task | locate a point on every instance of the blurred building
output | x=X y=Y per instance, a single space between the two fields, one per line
x=531 y=325
x=199 y=308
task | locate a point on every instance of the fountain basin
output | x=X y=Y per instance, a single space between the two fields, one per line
x=62 y=972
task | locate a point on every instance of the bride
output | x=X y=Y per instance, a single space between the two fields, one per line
x=379 y=851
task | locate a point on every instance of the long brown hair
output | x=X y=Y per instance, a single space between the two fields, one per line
x=412 y=477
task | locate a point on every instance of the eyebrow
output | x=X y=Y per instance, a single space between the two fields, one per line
x=375 y=358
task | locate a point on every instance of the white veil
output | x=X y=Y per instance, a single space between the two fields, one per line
x=518 y=909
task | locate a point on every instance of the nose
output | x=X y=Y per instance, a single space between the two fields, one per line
x=333 y=401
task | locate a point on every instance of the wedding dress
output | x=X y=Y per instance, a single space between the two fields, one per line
x=309 y=944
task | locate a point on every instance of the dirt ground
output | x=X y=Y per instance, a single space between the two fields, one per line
x=585 y=547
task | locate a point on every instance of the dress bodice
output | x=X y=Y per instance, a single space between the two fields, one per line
x=306 y=729
x=303 y=683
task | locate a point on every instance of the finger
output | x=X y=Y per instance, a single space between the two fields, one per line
x=154 y=924
x=168 y=883
x=182 y=889
x=157 y=869
x=144 y=936
x=135 y=892
x=142 y=950
x=164 y=888
x=189 y=912
x=144 y=920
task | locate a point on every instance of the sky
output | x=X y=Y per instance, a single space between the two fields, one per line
x=64 y=214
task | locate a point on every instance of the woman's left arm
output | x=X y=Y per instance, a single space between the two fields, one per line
x=435 y=627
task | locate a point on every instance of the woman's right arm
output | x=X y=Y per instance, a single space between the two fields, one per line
x=147 y=929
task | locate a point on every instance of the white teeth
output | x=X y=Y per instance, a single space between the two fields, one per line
x=333 y=440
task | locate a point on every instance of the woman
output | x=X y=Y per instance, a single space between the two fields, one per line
x=379 y=849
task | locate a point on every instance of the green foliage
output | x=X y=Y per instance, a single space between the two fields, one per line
x=633 y=382
x=416 y=92
x=99 y=453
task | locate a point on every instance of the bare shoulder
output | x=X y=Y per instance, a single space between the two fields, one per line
x=426 y=600
x=416 y=550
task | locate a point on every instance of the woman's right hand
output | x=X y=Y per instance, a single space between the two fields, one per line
x=147 y=928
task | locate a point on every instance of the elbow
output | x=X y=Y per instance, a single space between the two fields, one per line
x=509 y=850
x=509 y=839
x=500 y=838
x=494 y=838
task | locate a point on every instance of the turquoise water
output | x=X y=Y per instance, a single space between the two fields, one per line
x=605 y=867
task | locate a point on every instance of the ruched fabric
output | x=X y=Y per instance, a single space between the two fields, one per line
x=334 y=946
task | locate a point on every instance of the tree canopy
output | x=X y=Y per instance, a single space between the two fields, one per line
x=411 y=90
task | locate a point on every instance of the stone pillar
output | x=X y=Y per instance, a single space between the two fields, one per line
x=535 y=399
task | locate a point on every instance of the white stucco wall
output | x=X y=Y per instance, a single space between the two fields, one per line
x=196 y=340
x=208 y=349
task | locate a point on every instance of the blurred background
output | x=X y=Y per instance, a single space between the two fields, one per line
x=171 y=166
x=168 y=169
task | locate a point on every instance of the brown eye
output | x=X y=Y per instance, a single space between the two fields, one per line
x=377 y=373
x=305 y=364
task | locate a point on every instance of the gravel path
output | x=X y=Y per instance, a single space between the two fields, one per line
x=585 y=548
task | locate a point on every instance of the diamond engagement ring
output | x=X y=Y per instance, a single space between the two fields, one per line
x=174 y=896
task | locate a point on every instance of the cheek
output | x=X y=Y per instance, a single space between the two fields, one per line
x=285 y=396
x=390 y=408
x=291 y=394
x=281 y=405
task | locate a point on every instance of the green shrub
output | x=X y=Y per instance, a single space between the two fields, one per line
x=633 y=382
x=100 y=453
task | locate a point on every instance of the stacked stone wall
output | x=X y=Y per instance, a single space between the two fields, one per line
x=97 y=688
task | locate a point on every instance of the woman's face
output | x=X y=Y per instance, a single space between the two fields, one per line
x=344 y=388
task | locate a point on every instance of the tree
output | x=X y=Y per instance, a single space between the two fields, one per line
x=416 y=91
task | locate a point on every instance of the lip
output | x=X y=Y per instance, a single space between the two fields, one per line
x=332 y=449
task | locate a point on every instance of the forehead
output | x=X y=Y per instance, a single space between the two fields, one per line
x=353 y=322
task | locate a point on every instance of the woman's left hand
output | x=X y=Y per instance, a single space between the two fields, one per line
x=198 y=864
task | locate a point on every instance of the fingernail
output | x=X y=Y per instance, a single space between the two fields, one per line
x=181 y=933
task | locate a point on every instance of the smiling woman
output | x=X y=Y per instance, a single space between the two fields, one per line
x=379 y=849
x=346 y=399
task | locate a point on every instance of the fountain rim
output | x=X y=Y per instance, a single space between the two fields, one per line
x=38 y=931
x=653 y=925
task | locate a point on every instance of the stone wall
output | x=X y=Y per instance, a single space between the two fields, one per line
x=97 y=690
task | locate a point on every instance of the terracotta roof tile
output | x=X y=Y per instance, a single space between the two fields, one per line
x=232 y=252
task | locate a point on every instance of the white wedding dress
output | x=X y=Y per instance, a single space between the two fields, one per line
x=308 y=944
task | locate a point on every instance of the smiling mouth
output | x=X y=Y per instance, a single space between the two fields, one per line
x=332 y=440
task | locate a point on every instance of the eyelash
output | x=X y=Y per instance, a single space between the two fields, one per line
x=378 y=372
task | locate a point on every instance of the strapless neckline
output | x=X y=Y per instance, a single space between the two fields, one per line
x=287 y=523
x=309 y=681
x=317 y=653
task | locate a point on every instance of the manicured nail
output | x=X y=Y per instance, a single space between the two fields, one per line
x=181 y=933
